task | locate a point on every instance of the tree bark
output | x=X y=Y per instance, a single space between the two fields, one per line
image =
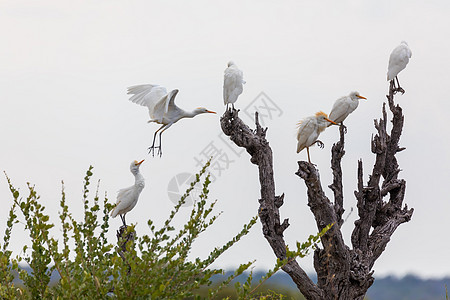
x=342 y=273
x=261 y=155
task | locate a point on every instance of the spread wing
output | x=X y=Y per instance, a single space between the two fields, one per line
x=164 y=105
x=232 y=84
x=147 y=95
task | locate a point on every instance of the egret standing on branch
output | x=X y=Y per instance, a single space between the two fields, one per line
x=232 y=84
x=309 y=130
x=161 y=107
x=128 y=197
x=343 y=107
x=397 y=61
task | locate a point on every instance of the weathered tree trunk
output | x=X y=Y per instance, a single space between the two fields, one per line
x=342 y=273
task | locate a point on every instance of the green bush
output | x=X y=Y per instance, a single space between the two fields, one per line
x=147 y=266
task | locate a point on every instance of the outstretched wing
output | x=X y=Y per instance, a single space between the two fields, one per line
x=232 y=84
x=147 y=95
x=164 y=105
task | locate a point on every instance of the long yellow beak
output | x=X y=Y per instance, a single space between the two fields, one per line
x=361 y=97
x=137 y=164
x=211 y=112
x=330 y=121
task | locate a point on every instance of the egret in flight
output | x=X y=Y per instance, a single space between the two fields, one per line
x=397 y=61
x=162 y=108
x=309 y=130
x=344 y=106
x=128 y=197
x=232 y=84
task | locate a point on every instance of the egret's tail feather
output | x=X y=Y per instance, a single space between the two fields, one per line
x=300 y=147
x=114 y=213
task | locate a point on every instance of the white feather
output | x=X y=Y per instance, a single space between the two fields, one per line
x=232 y=83
x=127 y=198
x=161 y=107
x=344 y=106
x=309 y=130
x=398 y=60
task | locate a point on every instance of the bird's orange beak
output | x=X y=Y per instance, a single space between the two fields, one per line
x=330 y=121
x=211 y=112
x=361 y=97
x=137 y=164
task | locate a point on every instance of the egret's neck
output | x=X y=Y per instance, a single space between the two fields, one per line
x=138 y=177
x=191 y=114
x=139 y=182
x=323 y=125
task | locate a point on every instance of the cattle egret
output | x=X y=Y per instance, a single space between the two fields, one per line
x=128 y=197
x=343 y=107
x=161 y=107
x=232 y=84
x=309 y=130
x=397 y=61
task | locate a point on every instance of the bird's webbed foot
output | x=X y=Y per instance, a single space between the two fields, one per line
x=159 y=151
x=320 y=144
x=343 y=127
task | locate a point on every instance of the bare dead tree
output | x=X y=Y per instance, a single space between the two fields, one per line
x=342 y=272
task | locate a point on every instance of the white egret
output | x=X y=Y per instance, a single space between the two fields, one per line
x=128 y=197
x=343 y=107
x=161 y=107
x=309 y=130
x=233 y=81
x=397 y=61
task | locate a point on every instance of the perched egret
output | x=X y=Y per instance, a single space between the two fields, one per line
x=309 y=130
x=128 y=197
x=397 y=61
x=344 y=106
x=232 y=84
x=162 y=108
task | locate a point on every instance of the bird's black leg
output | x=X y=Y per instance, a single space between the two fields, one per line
x=399 y=88
x=160 y=147
x=152 y=148
x=394 y=84
x=123 y=220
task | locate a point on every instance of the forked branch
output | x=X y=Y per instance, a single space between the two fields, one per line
x=261 y=155
x=343 y=273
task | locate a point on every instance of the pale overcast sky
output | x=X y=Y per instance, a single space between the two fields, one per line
x=65 y=67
